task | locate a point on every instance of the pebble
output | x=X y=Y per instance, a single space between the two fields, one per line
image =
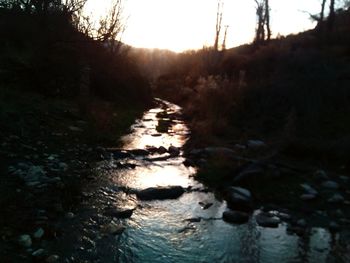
x=38 y=253
x=336 y=198
x=70 y=215
x=302 y=223
x=321 y=175
x=25 y=241
x=307 y=197
x=52 y=259
x=308 y=189
x=330 y=184
x=39 y=233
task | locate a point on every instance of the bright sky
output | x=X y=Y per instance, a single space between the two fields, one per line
x=179 y=25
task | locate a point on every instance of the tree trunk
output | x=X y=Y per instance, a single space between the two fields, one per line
x=267 y=19
x=331 y=16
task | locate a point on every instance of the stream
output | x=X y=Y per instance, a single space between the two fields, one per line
x=160 y=231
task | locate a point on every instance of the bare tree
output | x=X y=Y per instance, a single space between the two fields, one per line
x=218 y=24
x=331 y=16
x=263 y=30
x=223 y=47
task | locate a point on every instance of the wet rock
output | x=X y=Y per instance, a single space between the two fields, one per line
x=173 y=151
x=194 y=220
x=247 y=172
x=302 y=223
x=25 y=241
x=334 y=226
x=205 y=205
x=39 y=233
x=308 y=189
x=239 y=198
x=34 y=173
x=162 y=150
x=267 y=221
x=236 y=217
x=113 y=229
x=320 y=175
x=330 y=185
x=75 y=129
x=118 y=154
x=189 y=163
x=139 y=152
x=70 y=215
x=219 y=151
x=160 y=193
x=284 y=216
x=336 y=199
x=127 y=213
x=52 y=259
x=307 y=197
x=39 y=253
x=255 y=144
x=63 y=166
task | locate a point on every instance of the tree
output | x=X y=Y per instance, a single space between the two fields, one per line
x=218 y=24
x=263 y=30
x=331 y=16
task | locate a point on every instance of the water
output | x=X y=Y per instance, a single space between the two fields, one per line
x=158 y=230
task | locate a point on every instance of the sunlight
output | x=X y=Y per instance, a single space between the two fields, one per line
x=180 y=25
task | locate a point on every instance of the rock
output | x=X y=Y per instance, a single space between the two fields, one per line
x=267 y=221
x=189 y=163
x=336 y=199
x=25 y=241
x=162 y=150
x=321 y=175
x=113 y=229
x=205 y=205
x=34 y=173
x=248 y=172
x=239 y=198
x=63 y=166
x=330 y=185
x=194 y=219
x=119 y=213
x=236 y=217
x=52 y=259
x=307 y=197
x=284 y=216
x=219 y=151
x=160 y=193
x=174 y=151
x=70 y=215
x=38 y=234
x=240 y=147
x=255 y=144
x=302 y=223
x=119 y=154
x=139 y=152
x=75 y=129
x=334 y=226
x=308 y=189
x=38 y=253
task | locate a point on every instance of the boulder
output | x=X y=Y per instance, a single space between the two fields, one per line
x=239 y=198
x=160 y=193
x=119 y=213
x=267 y=221
x=236 y=217
x=173 y=151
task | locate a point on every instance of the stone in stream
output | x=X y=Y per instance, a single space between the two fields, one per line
x=162 y=150
x=336 y=199
x=160 y=193
x=267 y=221
x=52 y=259
x=308 y=189
x=173 y=151
x=255 y=144
x=119 y=213
x=307 y=197
x=330 y=185
x=113 y=229
x=25 y=241
x=239 y=198
x=248 y=172
x=236 y=217
x=139 y=152
x=39 y=233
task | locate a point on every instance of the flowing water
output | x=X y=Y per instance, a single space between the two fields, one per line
x=158 y=230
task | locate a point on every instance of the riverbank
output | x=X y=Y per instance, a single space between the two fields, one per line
x=47 y=149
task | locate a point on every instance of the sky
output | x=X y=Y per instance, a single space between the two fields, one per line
x=180 y=25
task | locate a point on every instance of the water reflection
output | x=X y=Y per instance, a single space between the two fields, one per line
x=159 y=232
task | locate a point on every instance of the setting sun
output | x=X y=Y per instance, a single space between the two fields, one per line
x=190 y=24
